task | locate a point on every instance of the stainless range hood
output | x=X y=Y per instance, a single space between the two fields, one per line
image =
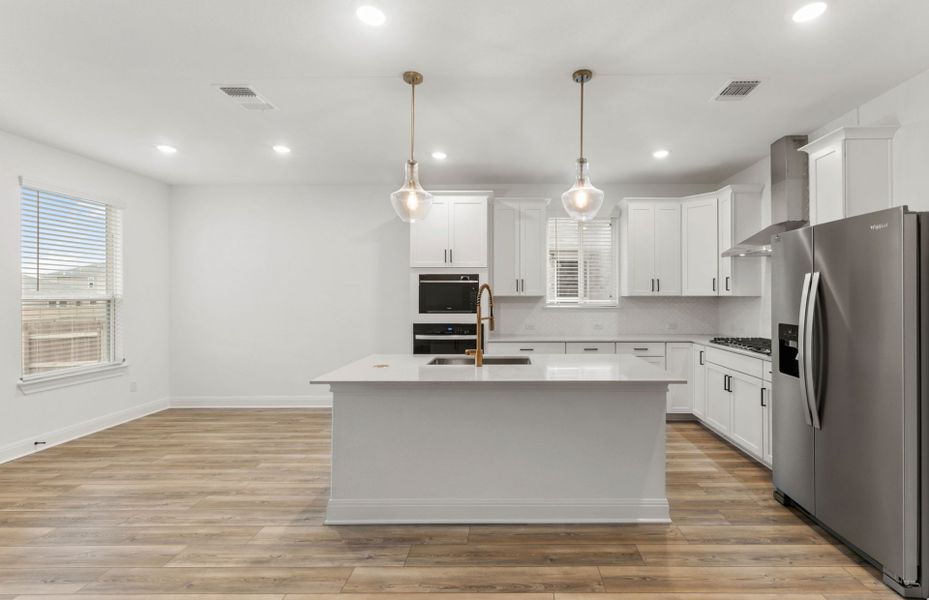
x=790 y=196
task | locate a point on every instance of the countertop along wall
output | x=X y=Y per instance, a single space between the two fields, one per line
x=905 y=106
x=56 y=415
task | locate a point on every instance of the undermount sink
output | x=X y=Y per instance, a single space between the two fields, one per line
x=488 y=360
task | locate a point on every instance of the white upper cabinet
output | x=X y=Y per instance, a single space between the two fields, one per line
x=453 y=234
x=739 y=217
x=650 y=242
x=519 y=239
x=699 y=246
x=851 y=172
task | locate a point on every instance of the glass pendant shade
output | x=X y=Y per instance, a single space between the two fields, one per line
x=411 y=202
x=583 y=201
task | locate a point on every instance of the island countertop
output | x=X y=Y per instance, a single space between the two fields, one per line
x=561 y=368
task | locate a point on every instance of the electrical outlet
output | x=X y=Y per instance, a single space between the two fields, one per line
x=133 y=386
x=598 y=326
x=530 y=326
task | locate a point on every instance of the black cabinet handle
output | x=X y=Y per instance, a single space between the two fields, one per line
x=526 y=349
x=727 y=284
x=450 y=256
x=763 y=403
x=701 y=358
x=445 y=256
x=659 y=284
x=653 y=285
x=714 y=284
x=590 y=349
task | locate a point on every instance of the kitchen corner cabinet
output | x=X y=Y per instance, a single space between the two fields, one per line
x=680 y=364
x=698 y=381
x=651 y=247
x=851 y=172
x=699 y=245
x=453 y=234
x=739 y=209
x=519 y=240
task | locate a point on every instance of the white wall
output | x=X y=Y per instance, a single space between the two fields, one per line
x=56 y=415
x=273 y=285
x=905 y=106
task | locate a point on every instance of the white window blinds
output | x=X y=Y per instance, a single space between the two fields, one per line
x=71 y=282
x=581 y=267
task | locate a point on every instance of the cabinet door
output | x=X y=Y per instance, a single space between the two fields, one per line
x=668 y=249
x=724 y=242
x=641 y=249
x=532 y=248
x=506 y=248
x=698 y=383
x=429 y=237
x=680 y=364
x=658 y=361
x=700 y=253
x=747 y=413
x=827 y=186
x=768 y=453
x=468 y=232
x=718 y=399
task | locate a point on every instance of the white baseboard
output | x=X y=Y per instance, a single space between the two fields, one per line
x=479 y=510
x=315 y=401
x=71 y=432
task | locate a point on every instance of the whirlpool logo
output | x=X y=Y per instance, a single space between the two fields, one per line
x=878 y=226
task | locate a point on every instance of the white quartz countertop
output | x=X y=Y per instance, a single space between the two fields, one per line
x=544 y=368
x=695 y=338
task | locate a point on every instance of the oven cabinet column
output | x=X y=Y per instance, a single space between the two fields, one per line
x=454 y=233
x=519 y=246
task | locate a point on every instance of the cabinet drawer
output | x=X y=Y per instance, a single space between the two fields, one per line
x=590 y=348
x=525 y=348
x=641 y=348
x=736 y=362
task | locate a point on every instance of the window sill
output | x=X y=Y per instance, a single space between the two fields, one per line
x=42 y=383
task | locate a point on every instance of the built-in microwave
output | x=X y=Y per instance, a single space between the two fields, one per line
x=448 y=293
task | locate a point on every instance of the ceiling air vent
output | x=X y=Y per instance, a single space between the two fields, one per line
x=246 y=96
x=737 y=89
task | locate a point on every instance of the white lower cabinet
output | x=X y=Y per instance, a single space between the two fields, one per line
x=524 y=348
x=590 y=348
x=747 y=413
x=680 y=364
x=698 y=381
x=768 y=453
x=718 y=399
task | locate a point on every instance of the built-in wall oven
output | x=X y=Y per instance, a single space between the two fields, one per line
x=443 y=338
x=448 y=293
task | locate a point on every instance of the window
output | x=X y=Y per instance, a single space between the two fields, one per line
x=581 y=263
x=71 y=283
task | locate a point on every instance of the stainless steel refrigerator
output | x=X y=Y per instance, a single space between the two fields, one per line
x=849 y=321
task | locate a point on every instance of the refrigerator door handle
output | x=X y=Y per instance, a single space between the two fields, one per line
x=811 y=316
x=801 y=346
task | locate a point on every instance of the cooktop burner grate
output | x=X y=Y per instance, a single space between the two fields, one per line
x=752 y=344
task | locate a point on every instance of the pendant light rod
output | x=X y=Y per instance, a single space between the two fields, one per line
x=582 y=76
x=413 y=78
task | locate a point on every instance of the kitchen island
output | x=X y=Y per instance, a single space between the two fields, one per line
x=564 y=439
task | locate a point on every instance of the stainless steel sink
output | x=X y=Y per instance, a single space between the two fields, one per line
x=488 y=360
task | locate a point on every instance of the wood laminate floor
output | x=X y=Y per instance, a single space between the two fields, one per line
x=229 y=504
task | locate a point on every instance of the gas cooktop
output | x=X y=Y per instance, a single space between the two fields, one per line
x=752 y=344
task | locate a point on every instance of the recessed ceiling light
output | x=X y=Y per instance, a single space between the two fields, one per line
x=281 y=149
x=659 y=154
x=439 y=155
x=166 y=149
x=370 y=15
x=810 y=11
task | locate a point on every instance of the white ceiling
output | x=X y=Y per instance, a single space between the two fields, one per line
x=111 y=78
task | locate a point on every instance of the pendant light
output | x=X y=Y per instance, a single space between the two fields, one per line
x=411 y=201
x=583 y=200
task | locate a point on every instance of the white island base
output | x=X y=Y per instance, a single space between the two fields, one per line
x=541 y=445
